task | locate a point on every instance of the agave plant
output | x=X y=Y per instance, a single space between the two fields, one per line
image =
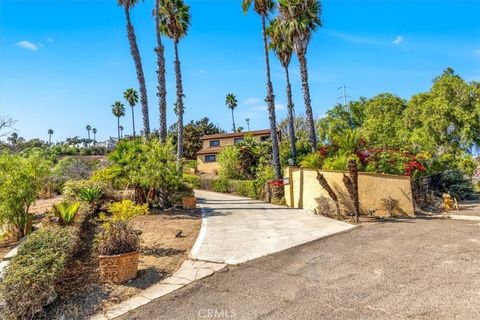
x=66 y=212
x=90 y=194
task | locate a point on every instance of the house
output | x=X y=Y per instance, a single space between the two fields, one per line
x=207 y=157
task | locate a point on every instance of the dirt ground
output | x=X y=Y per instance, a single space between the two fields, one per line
x=43 y=205
x=162 y=252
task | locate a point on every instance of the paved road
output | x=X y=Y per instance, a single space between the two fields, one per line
x=236 y=229
x=419 y=269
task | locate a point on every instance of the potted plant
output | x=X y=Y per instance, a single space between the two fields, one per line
x=119 y=244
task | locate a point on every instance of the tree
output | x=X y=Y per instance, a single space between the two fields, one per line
x=50 y=132
x=247 y=120
x=118 y=110
x=282 y=45
x=264 y=8
x=174 y=23
x=302 y=18
x=6 y=123
x=88 y=128
x=128 y=4
x=231 y=102
x=94 y=130
x=121 y=128
x=131 y=96
x=341 y=118
x=162 y=91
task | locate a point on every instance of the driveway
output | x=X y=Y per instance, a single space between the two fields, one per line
x=236 y=229
x=419 y=269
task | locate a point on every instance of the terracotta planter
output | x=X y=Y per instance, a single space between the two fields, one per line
x=189 y=203
x=119 y=268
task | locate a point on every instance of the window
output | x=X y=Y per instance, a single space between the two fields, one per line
x=210 y=158
x=264 y=138
x=237 y=140
x=214 y=143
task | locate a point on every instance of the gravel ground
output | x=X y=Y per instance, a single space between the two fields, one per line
x=410 y=269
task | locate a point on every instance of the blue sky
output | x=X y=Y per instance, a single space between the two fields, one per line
x=63 y=63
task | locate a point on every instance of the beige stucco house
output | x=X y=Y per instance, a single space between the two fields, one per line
x=207 y=157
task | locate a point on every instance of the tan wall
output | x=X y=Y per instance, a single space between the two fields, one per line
x=206 y=167
x=226 y=141
x=372 y=188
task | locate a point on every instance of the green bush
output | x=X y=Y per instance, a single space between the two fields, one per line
x=229 y=162
x=66 y=212
x=456 y=183
x=73 y=189
x=221 y=185
x=29 y=282
x=70 y=168
x=192 y=180
x=245 y=188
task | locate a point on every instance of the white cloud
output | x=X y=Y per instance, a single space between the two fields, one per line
x=27 y=45
x=278 y=107
x=50 y=40
x=252 y=101
x=398 y=40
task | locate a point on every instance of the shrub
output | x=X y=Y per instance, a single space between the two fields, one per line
x=73 y=189
x=390 y=205
x=126 y=210
x=29 y=282
x=192 y=180
x=66 y=212
x=69 y=168
x=229 y=162
x=456 y=183
x=118 y=238
x=325 y=207
x=245 y=188
x=90 y=194
x=21 y=178
x=221 y=185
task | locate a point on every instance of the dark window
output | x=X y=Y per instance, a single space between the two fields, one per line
x=215 y=143
x=210 y=158
x=264 y=138
x=237 y=140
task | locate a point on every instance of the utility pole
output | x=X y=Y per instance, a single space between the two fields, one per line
x=344 y=94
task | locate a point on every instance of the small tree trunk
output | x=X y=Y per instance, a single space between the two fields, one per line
x=139 y=197
x=180 y=108
x=118 y=127
x=306 y=97
x=139 y=69
x=233 y=122
x=291 y=126
x=162 y=91
x=271 y=108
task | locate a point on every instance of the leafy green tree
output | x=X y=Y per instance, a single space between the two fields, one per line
x=264 y=8
x=127 y=5
x=282 y=45
x=232 y=103
x=118 y=110
x=50 y=132
x=174 y=23
x=131 y=96
x=162 y=88
x=302 y=18
x=21 y=179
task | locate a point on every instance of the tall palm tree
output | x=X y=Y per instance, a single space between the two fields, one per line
x=50 y=132
x=131 y=96
x=118 y=110
x=121 y=131
x=232 y=103
x=162 y=90
x=128 y=4
x=94 y=130
x=282 y=45
x=302 y=18
x=88 y=128
x=247 y=120
x=264 y=8
x=174 y=20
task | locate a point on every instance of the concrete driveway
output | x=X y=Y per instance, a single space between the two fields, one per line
x=236 y=229
x=417 y=269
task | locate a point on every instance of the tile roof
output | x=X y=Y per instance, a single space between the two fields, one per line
x=235 y=134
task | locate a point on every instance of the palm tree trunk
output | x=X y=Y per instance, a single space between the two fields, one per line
x=353 y=175
x=133 y=122
x=291 y=127
x=49 y=139
x=162 y=91
x=271 y=108
x=324 y=183
x=308 y=103
x=233 y=121
x=138 y=66
x=118 y=127
x=88 y=142
x=179 y=105
x=94 y=139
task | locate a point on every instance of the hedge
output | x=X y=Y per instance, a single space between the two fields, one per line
x=244 y=188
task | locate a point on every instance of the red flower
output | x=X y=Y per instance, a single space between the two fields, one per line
x=276 y=183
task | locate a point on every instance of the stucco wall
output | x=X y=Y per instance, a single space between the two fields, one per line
x=206 y=167
x=372 y=188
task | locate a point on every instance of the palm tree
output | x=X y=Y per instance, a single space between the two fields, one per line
x=247 y=120
x=162 y=91
x=118 y=110
x=120 y=128
x=127 y=4
x=174 y=20
x=131 y=96
x=88 y=128
x=302 y=18
x=94 y=130
x=231 y=102
x=50 y=132
x=264 y=8
x=282 y=45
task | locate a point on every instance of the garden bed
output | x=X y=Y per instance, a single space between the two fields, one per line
x=163 y=250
